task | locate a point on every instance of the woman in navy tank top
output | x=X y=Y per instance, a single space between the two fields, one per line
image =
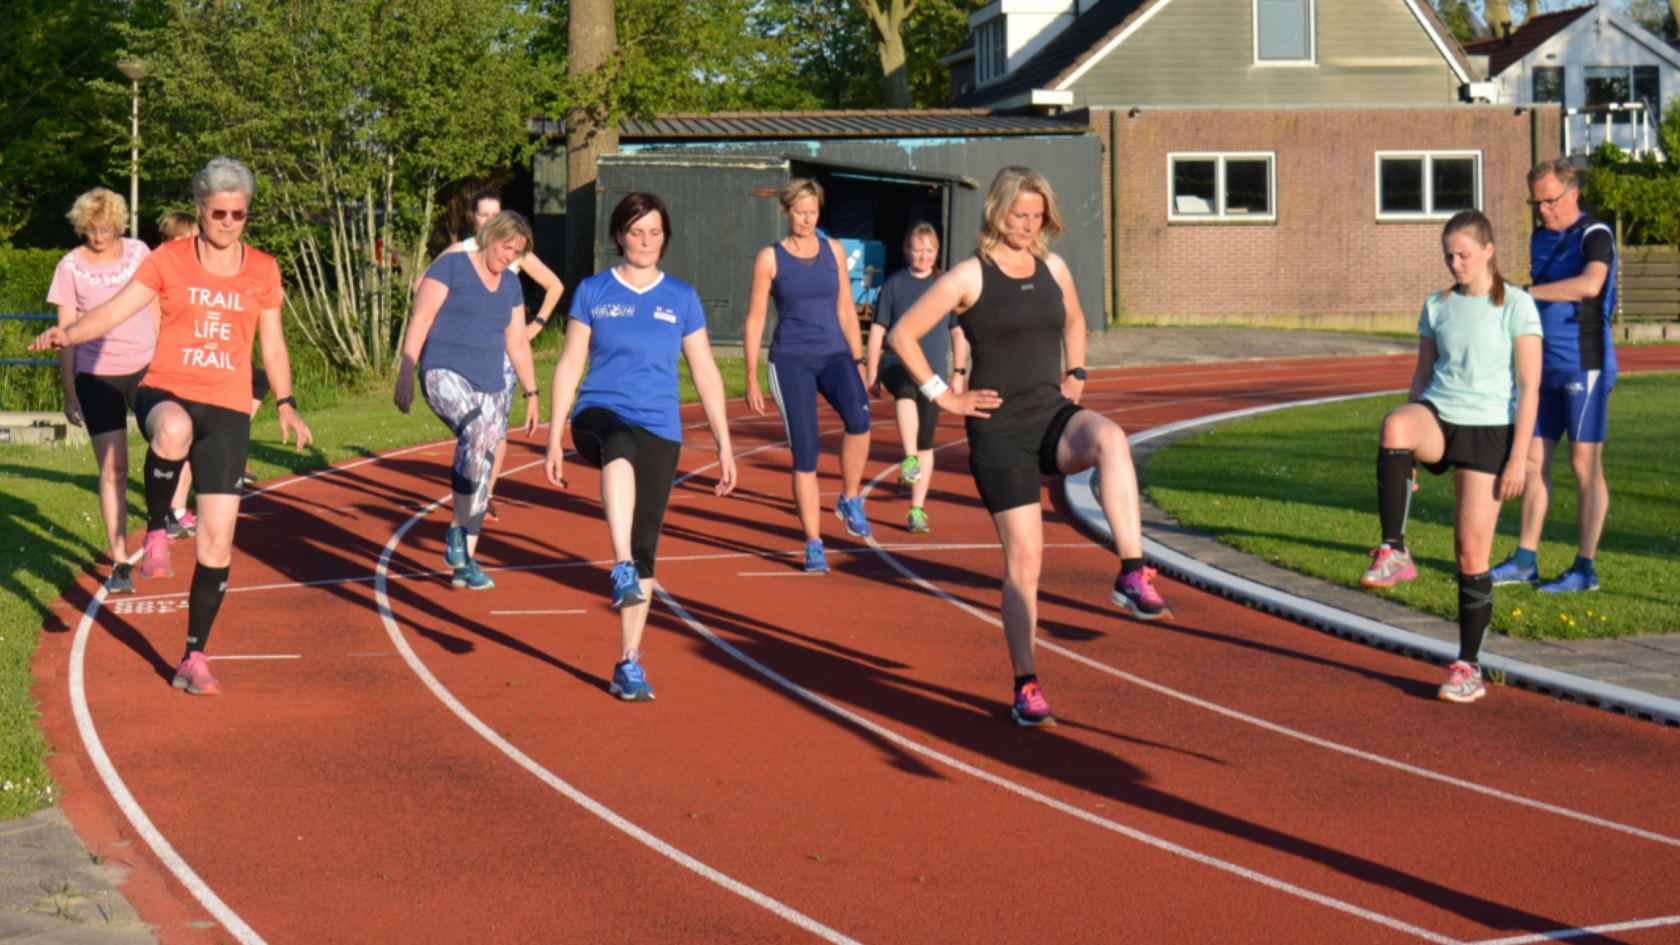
x=1015 y=301
x=817 y=349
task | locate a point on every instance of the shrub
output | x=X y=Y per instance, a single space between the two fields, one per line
x=25 y=275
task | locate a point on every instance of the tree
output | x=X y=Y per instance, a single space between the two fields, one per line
x=887 y=18
x=1658 y=16
x=353 y=116
x=1459 y=19
x=591 y=123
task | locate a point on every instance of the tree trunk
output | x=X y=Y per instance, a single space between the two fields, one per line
x=889 y=42
x=1498 y=15
x=592 y=39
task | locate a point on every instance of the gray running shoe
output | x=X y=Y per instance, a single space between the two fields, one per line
x=122 y=579
x=1464 y=683
x=1389 y=566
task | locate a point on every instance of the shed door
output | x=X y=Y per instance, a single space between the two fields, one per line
x=723 y=211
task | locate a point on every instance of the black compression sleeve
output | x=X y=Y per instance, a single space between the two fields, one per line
x=1475 y=612
x=161 y=476
x=204 y=601
x=1394 y=494
x=1598 y=246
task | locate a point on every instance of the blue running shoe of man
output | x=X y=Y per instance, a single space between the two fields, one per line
x=850 y=512
x=816 y=561
x=1572 y=581
x=629 y=681
x=1509 y=572
x=627 y=586
x=455 y=547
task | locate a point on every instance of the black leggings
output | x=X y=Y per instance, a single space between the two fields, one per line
x=602 y=437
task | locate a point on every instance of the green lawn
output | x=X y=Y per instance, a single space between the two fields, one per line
x=1298 y=487
x=48 y=497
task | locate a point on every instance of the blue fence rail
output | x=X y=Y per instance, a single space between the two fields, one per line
x=27 y=318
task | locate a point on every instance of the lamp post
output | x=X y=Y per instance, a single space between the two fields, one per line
x=135 y=69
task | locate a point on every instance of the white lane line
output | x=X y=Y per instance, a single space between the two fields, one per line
x=261 y=656
x=130 y=807
x=516 y=613
x=1007 y=785
x=1269 y=726
x=1565 y=934
x=550 y=778
x=781 y=574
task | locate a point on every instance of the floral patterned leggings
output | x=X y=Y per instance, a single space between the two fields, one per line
x=479 y=422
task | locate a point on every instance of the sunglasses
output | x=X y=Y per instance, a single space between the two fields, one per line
x=238 y=216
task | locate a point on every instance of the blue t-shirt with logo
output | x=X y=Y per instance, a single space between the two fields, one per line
x=635 y=339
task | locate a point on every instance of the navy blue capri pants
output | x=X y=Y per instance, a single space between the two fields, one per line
x=795 y=382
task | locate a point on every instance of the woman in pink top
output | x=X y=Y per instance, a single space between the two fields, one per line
x=101 y=376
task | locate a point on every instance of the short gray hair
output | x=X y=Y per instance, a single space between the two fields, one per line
x=221 y=175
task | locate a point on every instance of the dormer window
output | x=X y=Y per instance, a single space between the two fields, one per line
x=1283 y=33
x=991 y=55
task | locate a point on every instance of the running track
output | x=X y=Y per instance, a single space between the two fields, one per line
x=829 y=758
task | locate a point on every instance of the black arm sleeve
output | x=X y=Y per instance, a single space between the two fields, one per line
x=1598 y=246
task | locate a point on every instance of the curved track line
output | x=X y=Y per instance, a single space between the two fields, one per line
x=1566 y=934
x=1273 y=727
x=130 y=807
x=1028 y=793
x=548 y=777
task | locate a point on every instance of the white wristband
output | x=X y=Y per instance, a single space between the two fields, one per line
x=934 y=387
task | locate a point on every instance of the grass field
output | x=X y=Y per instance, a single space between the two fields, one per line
x=1298 y=488
x=49 y=509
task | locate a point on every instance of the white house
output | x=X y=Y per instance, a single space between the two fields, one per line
x=1592 y=60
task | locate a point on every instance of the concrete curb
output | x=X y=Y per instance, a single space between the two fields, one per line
x=1087 y=514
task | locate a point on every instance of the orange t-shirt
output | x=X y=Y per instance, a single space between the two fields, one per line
x=209 y=323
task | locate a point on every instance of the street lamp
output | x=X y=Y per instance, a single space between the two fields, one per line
x=135 y=69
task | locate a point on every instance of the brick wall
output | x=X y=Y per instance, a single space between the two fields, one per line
x=1326 y=260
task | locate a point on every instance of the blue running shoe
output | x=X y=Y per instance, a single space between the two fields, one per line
x=455 y=548
x=1572 y=581
x=627 y=586
x=850 y=512
x=472 y=577
x=630 y=680
x=816 y=561
x=1507 y=572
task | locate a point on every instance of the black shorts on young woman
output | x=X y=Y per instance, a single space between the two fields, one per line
x=1009 y=465
x=106 y=400
x=221 y=440
x=1479 y=449
x=902 y=386
x=602 y=437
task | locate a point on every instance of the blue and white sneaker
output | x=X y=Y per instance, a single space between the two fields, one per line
x=1572 y=581
x=629 y=681
x=627 y=586
x=850 y=511
x=1507 y=572
x=472 y=577
x=816 y=560
x=455 y=547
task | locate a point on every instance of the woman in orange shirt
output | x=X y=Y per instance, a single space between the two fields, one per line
x=217 y=295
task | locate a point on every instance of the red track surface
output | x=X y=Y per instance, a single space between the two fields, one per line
x=336 y=798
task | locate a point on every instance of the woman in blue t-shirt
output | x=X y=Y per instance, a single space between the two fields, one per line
x=1477 y=341
x=628 y=325
x=468 y=315
x=817 y=349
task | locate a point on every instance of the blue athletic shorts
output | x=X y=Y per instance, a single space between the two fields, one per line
x=795 y=382
x=1576 y=403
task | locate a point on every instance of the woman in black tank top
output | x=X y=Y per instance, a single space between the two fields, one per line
x=1016 y=304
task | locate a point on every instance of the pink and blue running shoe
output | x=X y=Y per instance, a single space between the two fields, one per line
x=1136 y=592
x=1031 y=708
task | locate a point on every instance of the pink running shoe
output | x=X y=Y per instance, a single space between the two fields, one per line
x=193 y=675
x=155 y=563
x=183 y=524
x=1464 y=683
x=1031 y=708
x=1136 y=592
x=1389 y=566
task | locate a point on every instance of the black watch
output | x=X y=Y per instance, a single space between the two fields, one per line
x=1077 y=374
x=861 y=360
x=286 y=402
x=532 y=393
x=962 y=370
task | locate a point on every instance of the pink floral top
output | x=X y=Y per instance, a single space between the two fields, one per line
x=78 y=282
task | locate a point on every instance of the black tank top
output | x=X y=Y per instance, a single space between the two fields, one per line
x=1015 y=333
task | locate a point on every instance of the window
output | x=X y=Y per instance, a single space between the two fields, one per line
x=1647 y=88
x=991 y=58
x=1548 y=84
x=1283 y=32
x=1428 y=186
x=1610 y=85
x=1221 y=187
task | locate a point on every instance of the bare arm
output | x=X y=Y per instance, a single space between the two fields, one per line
x=1425 y=371
x=708 y=383
x=959 y=360
x=568 y=373
x=99 y=321
x=519 y=352
x=277 y=361
x=1529 y=355
x=1073 y=330
x=846 y=307
x=67 y=367
x=877 y=335
x=553 y=288
x=426 y=306
x=758 y=312
x=956 y=291
x=1584 y=286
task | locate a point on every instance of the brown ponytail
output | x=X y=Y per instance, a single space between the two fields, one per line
x=1480 y=228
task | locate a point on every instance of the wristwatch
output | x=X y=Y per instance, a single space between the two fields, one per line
x=286 y=402
x=962 y=370
x=1077 y=374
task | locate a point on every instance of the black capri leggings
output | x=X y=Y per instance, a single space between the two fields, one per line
x=902 y=386
x=602 y=437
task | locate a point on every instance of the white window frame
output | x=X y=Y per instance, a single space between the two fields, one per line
x=1312 y=38
x=983 y=53
x=1219 y=215
x=1428 y=158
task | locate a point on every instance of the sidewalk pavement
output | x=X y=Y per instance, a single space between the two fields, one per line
x=54 y=891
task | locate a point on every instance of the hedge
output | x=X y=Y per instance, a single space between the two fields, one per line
x=25 y=275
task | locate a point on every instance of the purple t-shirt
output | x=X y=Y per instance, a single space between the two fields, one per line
x=77 y=282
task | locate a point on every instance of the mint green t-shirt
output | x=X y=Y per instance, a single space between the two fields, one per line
x=1475 y=358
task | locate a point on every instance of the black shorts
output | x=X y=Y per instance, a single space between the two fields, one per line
x=106 y=399
x=1479 y=449
x=259 y=384
x=1009 y=465
x=902 y=386
x=221 y=440
x=601 y=437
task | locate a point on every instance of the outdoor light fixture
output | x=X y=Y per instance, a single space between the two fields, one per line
x=135 y=69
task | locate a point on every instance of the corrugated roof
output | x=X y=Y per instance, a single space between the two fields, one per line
x=1524 y=39
x=873 y=123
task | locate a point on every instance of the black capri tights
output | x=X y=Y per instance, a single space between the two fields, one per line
x=601 y=437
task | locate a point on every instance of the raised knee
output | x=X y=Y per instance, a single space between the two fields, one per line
x=1395 y=432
